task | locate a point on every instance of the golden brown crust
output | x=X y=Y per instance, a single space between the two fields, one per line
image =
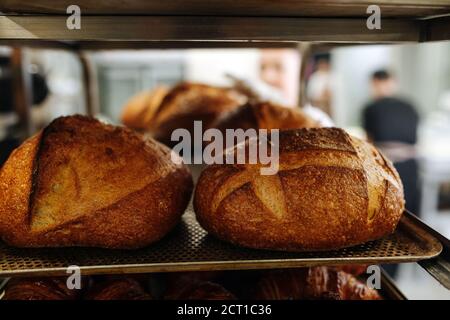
x=331 y=191
x=139 y=111
x=189 y=102
x=83 y=183
x=266 y=115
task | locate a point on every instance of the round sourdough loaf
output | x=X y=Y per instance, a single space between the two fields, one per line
x=80 y=182
x=331 y=191
x=163 y=110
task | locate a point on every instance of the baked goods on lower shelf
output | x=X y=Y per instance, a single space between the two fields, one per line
x=319 y=283
x=80 y=182
x=331 y=191
x=123 y=288
x=39 y=289
x=288 y=284
x=204 y=290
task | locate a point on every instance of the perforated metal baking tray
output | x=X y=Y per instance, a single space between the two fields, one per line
x=189 y=248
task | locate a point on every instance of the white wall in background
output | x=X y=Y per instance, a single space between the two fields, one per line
x=423 y=72
x=133 y=57
x=210 y=66
x=352 y=68
x=122 y=74
x=201 y=65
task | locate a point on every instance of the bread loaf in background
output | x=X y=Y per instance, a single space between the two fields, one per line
x=140 y=109
x=265 y=115
x=331 y=191
x=80 y=182
x=160 y=112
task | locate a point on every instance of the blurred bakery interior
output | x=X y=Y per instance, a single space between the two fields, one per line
x=396 y=96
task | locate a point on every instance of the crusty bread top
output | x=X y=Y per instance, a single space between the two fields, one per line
x=273 y=116
x=65 y=186
x=187 y=98
x=140 y=109
x=266 y=115
x=329 y=148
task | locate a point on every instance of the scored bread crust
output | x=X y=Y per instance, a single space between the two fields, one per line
x=331 y=191
x=188 y=102
x=140 y=109
x=83 y=183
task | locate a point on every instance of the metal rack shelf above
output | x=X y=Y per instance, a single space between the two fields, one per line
x=255 y=8
x=227 y=21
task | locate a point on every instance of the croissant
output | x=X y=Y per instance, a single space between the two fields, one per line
x=350 y=288
x=83 y=183
x=203 y=290
x=39 y=289
x=118 y=289
x=176 y=282
x=331 y=191
x=353 y=269
x=287 y=284
x=319 y=283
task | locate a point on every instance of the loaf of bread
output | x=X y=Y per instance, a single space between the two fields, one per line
x=331 y=191
x=80 y=182
x=139 y=111
x=160 y=112
x=318 y=283
x=189 y=102
x=265 y=115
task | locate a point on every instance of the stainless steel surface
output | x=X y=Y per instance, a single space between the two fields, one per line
x=3 y=283
x=389 y=291
x=438 y=267
x=282 y=8
x=189 y=248
x=210 y=28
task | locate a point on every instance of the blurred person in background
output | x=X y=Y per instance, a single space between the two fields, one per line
x=280 y=68
x=279 y=82
x=391 y=123
x=318 y=90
